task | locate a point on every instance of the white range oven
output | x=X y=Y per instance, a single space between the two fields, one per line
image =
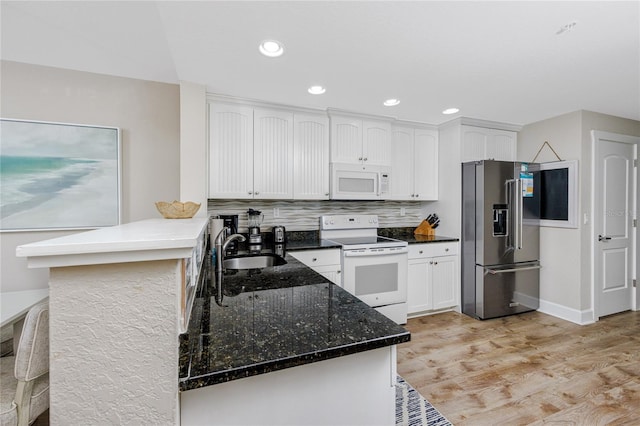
x=374 y=268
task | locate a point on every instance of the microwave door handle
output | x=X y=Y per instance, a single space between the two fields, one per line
x=379 y=188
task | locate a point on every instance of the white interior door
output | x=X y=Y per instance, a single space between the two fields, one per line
x=614 y=201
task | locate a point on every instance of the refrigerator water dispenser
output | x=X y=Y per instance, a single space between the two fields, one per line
x=500 y=221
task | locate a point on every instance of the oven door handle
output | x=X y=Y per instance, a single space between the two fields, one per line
x=354 y=253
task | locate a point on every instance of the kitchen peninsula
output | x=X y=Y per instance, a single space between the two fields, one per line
x=281 y=342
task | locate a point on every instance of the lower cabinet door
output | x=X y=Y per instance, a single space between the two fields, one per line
x=330 y=272
x=444 y=281
x=419 y=288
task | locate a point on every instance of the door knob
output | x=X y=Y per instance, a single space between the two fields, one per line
x=605 y=238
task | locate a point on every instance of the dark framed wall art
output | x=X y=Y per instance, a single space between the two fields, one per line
x=58 y=176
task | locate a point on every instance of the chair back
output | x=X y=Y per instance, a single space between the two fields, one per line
x=32 y=356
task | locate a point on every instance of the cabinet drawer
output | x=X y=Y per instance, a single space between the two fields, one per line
x=317 y=257
x=417 y=251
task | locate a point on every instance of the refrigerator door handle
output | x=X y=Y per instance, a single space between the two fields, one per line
x=504 y=271
x=520 y=203
x=511 y=233
x=515 y=205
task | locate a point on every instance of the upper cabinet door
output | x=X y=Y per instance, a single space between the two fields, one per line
x=311 y=157
x=230 y=151
x=426 y=164
x=273 y=154
x=488 y=144
x=376 y=143
x=402 y=173
x=346 y=140
x=474 y=142
x=502 y=145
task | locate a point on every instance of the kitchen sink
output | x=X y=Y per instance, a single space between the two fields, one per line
x=253 y=262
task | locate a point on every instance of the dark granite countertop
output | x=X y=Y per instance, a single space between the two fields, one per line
x=310 y=240
x=273 y=318
x=406 y=234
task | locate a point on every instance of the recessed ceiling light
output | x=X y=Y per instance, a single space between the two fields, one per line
x=450 y=111
x=391 y=102
x=271 y=48
x=316 y=90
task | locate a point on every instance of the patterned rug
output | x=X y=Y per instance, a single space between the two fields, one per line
x=413 y=410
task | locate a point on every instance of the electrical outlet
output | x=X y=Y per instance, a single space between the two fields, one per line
x=403 y=211
x=276 y=212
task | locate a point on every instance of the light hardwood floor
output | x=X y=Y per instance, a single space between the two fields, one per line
x=526 y=369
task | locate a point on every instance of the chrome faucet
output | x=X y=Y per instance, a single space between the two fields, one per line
x=221 y=243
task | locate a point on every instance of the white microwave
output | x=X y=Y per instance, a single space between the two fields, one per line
x=359 y=182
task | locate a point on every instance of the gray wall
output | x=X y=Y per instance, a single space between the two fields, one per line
x=565 y=253
x=147 y=114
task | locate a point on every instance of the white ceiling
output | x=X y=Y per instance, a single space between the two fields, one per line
x=500 y=61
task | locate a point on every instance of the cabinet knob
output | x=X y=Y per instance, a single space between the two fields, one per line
x=417 y=195
x=435 y=263
x=257 y=192
x=365 y=158
x=326 y=194
x=339 y=272
x=420 y=252
x=314 y=259
x=359 y=158
x=431 y=263
x=249 y=192
x=446 y=249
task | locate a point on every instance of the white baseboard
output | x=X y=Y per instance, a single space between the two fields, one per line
x=563 y=312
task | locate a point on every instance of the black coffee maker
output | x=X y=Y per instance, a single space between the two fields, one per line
x=231 y=221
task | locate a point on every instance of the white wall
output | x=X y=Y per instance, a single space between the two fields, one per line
x=146 y=112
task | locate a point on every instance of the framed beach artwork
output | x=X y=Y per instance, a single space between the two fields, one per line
x=58 y=176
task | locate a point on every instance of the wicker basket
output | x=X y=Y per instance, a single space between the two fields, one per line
x=177 y=209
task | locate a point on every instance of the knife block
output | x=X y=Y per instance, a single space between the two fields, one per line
x=425 y=229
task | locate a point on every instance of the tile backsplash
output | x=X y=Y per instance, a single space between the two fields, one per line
x=302 y=215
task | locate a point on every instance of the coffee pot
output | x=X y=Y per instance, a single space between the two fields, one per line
x=255 y=220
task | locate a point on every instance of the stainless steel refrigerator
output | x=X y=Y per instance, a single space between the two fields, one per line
x=500 y=239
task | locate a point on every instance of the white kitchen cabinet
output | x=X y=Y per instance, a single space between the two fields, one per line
x=311 y=157
x=230 y=151
x=272 y=154
x=414 y=164
x=250 y=152
x=358 y=141
x=479 y=143
x=325 y=262
x=433 y=277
